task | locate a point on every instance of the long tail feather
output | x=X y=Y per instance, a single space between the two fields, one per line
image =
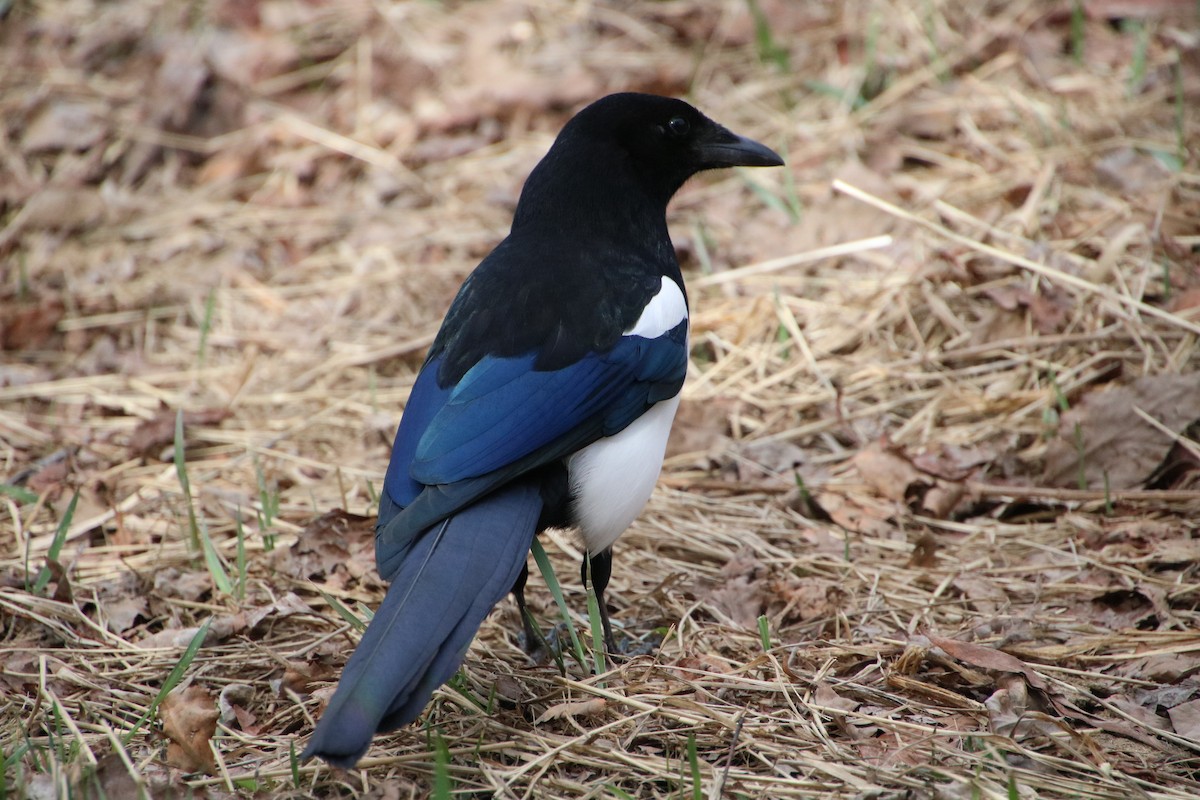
x=448 y=582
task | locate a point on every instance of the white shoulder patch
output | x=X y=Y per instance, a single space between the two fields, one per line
x=665 y=310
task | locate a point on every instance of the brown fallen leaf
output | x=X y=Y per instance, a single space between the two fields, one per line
x=891 y=473
x=121 y=612
x=582 y=708
x=985 y=596
x=510 y=689
x=1013 y=713
x=988 y=658
x=58 y=208
x=65 y=124
x=1184 y=303
x=151 y=436
x=247 y=721
x=945 y=496
x=1143 y=715
x=953 y=462
x=189 y=717
x=700 y=427
x=28 y=327
x=112 y=777
x=804 y=598
x=61 y=581
x=1128 y=609
x=1163 y=698
x=1180 y=467
x=855 y=512
x=1131 y=171
x=243 y=57
x=837 y=706
x=766 y=462
x=1137 y=9
x=299 y=677
x=19 y=667
x=51 y=477
x=332 y=549
x=741 y=597
x=1166 y=668
x=924 y=554
x=232 y=702
x=177 y=87
x=1104 y=443
x=748 y=589
x=826 y=696
x=1118 y=727
x=1047 y=308
x=839 y=218
x=904 y=747
x=1185 y=718
x=188 y=585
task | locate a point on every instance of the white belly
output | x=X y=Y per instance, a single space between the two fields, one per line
x=611 y=479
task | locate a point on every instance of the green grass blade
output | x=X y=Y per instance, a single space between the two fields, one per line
x=936 y=59
x=172 y=680
x=1081 y=456
x=56 y=546
x=242 y=565
x=694 y=763
x=212 y=559
x=768 y=49
x=764 y=632
x=458 y=682
x=543 y=562
x=344 y=612
x=184 y=484
x=19 y=493
x=765 y=195
x=791 y=192
x=555 y=652
x=599 y=661
x=294 y=762
x=206 y=326
x=443 y=787
x=1078 y=21
x=1140 y=31
x=1180 y=116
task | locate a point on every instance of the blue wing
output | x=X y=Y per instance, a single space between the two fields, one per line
x=505 y=418
x=503 y=409
x=424 y=402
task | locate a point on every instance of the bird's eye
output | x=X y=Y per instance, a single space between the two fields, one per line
x=678 y=126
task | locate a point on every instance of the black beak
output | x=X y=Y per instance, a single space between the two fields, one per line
x=726 y=149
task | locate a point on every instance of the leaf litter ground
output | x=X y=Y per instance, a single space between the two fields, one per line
x=939 y=433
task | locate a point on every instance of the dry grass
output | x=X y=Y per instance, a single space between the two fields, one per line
x=258 y=213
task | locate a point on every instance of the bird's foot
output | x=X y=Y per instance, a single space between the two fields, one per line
x=546 y=646
x=622 y=647
x=542 y=647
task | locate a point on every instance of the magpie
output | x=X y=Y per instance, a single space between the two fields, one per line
x=544 y=401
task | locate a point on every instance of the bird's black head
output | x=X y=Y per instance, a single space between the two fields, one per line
x=662 y=135
x=638 y=144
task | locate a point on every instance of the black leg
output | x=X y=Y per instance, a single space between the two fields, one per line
x=533 y=638
x=599 y=568
x=556 y=513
